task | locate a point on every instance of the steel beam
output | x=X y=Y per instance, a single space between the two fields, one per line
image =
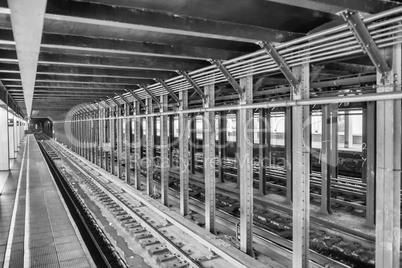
x=264 y=148
x=334 y=141
x=271 y=51
x=228 y=76
x=150 y=148
x=246 y=138
x=183 y=154
x=348 y=136
x=193 y=141
x=137 y=147
x=137 y=19
x=151 y=94
x=125 y=100
x=193 y=84
x=301 y=170
x=136 y=97
x=169 y=90
x=171 y=140
x=164 y=147
x=326 y=159
x=388 y=164
x=359 y=29
x=288 y=154
x=119 y=141
x=209 y=159
x=238 y=129
x=112 y=130
x=101 y=136
x=127 y=142
x=222 y=145
x=118 y=105
x=369 y=160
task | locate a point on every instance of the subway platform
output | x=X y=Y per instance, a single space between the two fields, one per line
x=36 y=228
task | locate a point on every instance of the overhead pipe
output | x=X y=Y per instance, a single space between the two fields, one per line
x=397 y=95
x=263 y=64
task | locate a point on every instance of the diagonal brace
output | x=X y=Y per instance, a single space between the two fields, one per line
x=115 y=101
x=228 y=76
x=101 y=104
x=193 y=84
x=136 y=97
x=169 y=90
x=367 y=43
x=151 y=94
x=106 y=104
x=125 y=100
x=283 y=67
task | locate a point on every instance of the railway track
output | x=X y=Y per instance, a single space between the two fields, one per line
x=98 y=244
x=273 y=227
x=161 y=239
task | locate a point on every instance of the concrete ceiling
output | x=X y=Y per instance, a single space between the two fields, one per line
x=92 y=49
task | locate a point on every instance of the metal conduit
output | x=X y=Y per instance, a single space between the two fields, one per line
x=312 y=48
x=283 y=103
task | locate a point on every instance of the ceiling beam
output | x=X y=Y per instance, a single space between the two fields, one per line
x=17 y=81
x=140 y=19
x=97 y=46
x=91 y=72
x=133 y=62
x=13 y=91
x=335 y=6
x=27 y=19
x=57 y=43
x=69 y=84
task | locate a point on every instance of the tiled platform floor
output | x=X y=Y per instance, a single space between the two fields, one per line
x=35 y=228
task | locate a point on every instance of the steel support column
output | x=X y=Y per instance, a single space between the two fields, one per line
x=171 y=140
x=264 y=150
x=369 y=162
x=238 y=129
x=348 y=134
x=388 y=168
x=102 y=126
x=301 y=170
x=183 y=154
x=164 y=145
x=288 y=154
x=326 y=159
x=96 y=137
x=127 y=144
x=81 y=133
x=150 y=147
x=246 y=138
x=137 y=147
x=222 y=145
x=112 y=130
x=193 y=141
x=334 y=141
x=119 y=141
x=209 y=158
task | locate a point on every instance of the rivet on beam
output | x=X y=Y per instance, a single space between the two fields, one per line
x=136 y=97
x=283 y=67
x=169 y=90
x=193 y=84
x=151 y=94
x=228 y=76
x=359 y=29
